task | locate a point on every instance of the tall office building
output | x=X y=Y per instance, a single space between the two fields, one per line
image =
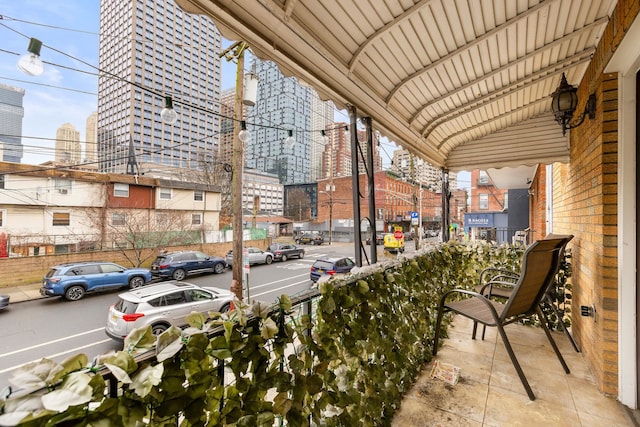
x=91 y=140
x=227 y=128
x=283 y=106
x=11 y=114
x=322 y=113
x=337 y=157
x=423 y=172
x=150 y=50
x=68 y=149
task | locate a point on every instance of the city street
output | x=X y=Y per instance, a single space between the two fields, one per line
x=56 y=329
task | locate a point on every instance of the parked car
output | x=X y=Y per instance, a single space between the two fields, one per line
x=379 y=239
x=4 y=301
x=284 y=251
x=178 y=265
x=254 y=255
x=161 y=306
x=310 y=239
x=72 y=281
x=431 y=233
x=330 y=266
x=408 y=236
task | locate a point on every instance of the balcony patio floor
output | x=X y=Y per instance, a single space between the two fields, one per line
x=489 y=392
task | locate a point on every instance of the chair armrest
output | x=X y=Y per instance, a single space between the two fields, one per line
x=496 y=271
x=482 y=289
x=473 y=294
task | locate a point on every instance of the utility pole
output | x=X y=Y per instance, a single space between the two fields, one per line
x=236 y=51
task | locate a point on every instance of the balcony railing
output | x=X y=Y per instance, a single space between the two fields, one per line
x=344 y=354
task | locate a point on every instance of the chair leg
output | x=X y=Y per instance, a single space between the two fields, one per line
x=434 y=351
x=551 y=341
x=515 y=362
x=566 y=331
x=475 y=328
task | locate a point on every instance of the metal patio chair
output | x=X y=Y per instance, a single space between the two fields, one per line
x=499 y=282
x=539 y=266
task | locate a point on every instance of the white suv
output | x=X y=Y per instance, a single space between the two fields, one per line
x=162 y=306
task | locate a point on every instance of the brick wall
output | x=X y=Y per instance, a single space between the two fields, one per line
x=585 y=198
x=28 y=270
x=538 y=205
x=585 y=204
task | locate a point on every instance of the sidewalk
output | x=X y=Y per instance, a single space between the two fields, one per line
x=22 y=293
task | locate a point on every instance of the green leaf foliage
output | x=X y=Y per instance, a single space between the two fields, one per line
x=350 y=362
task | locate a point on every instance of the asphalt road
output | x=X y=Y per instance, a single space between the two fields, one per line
x=56 y=329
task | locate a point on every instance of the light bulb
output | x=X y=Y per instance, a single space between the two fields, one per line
x=31 y=63
x=168 y=114
x=244 y=134
x=289 y=142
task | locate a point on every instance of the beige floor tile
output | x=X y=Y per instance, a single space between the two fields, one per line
x=505 y=408
x=531 y=356
x=419 y=417
x=466 y=399
x=545 y=385
x=590 y=420
x=579 y=368
x=589 y=400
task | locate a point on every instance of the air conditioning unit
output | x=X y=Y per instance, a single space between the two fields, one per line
x=63 y=190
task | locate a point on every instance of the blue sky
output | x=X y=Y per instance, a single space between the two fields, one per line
x=60 y=95
x=64 y=95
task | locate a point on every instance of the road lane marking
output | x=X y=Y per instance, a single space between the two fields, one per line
x=51 y=342
x=282 y=287
x=275 y=281
x=56 y=355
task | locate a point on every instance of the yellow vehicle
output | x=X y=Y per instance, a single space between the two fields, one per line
x=393 y=243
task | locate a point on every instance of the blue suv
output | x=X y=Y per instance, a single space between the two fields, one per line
x=177 y=265
x=72 y=281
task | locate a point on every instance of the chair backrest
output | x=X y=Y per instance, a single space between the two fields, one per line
x=539 y=267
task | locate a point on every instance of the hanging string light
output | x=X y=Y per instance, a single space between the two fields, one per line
x=244 y=134
x=31 y=63
x=289 y=142
x=168 y=114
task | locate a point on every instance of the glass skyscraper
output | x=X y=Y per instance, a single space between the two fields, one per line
x=150 y=49
x=11 y=114
x=282 y=105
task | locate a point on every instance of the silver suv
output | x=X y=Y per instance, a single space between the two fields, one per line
x=162 y=306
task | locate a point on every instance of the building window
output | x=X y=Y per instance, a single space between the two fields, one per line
x=2 y=214
x=198 y=195
x=61 y=218
x=63 y=186
x=484 y=201
x=120 y=190
x=1 y=180
x=483 y=178
x=118 y=219
x=165 y=194
x=196 y=219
